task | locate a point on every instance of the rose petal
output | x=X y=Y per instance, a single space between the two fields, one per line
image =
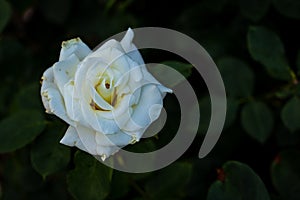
x=64 y=71
x=97 y=121
x=130 y=48
x=142 y=114
x=119 y=139
x=52 y=99
x=87 y=137
x=72 y=104
x=105 y=152
x=71 y=138
x=104 y=50
x=74 y=46
x=114 y=57
x=99 y=100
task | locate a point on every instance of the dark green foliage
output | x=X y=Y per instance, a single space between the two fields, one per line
x=20 y=129
x=90 y=179
x=255 y=44
x=237 y=181
x=286 y=175
x=257 y=120
x=47 y=154
x=5 y=12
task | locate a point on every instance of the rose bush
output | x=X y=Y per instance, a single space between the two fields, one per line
x=107 y=96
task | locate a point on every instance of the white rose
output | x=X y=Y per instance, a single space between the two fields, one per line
x=107 y=96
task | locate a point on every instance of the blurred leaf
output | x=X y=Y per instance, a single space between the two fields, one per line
x=56 y=11
x=119 y=185
x=238 y=182
x=217 y=45
x=286 y=175
x=166 y=76
x=231 y=112
x=288 y=8
x=237 y=76
x=90 y=179
x=254 y=9
x=20 y=129
x=28 y=98
x=266 y=47
x=283 y=94
x=5 y=13
x=143 y=146
x=290 y=114
x=169 y=182
x=4 y=91
x=184 y=68
x=286 y=138
x=19 y=178
x=10 y=49
x=257 y=120
x=47 y=154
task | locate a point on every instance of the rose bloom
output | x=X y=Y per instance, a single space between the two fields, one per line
x=107 y=96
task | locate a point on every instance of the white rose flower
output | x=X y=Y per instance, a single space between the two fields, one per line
x=107 y=96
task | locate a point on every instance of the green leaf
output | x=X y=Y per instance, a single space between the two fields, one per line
x=28 y=98
x=255 y=9
x=19 y=179
x=231 y=112
x=290 y=114
x=257 y=120
x=237 y=76
x=170 y=78
x=56 y=11
x=120 y=185
x=143 y=146
x=10 y=49
x=20 y=129
x=205 y=113
x=184 y=68
x=4 y=93
x=286 y=175
x=47 y=154
x=266 y=47
x=239 y=182
x=5 y=13
x=286 y=138
x=288 y=8
x=171 y=181
x=90 y=179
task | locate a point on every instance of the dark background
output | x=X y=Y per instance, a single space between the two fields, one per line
x=255 y=44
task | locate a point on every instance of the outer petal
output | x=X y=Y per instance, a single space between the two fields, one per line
x=72 y=103
x=52 y=99
x=87 y=137
x=104 y=50
x=105 y=151
x=130 y=48
x=119 y=139
x=71 y=137
x=74 y=46
x=64 y=71
x=114 y=56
